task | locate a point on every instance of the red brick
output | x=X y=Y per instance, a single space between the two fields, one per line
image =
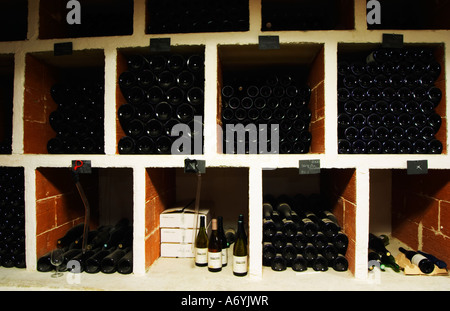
x=444 y=217
x=436 y=244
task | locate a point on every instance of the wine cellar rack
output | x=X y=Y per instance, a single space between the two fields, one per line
x=371 y=192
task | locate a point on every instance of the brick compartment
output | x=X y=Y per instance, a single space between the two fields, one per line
x=338 y=186
x=305 y=61
x=167 y=186
x=59 y=206
x=412 y=209
x=42 y=71
x=6 y=101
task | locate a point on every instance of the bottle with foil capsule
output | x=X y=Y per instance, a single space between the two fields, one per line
x=201 y=245
x=214 y=249
x=240 y=252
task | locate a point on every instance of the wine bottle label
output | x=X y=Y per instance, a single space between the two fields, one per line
x=201 y=255
x=240 y=264
x=224 y=256
x=417 y=258
x=214 y=260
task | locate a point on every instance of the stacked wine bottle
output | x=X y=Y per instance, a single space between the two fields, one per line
x=301 y=233
x=78 y=120
x=12 y=217
x=278 y=100
x=387 y=102
x=108 y=249
x=161 y=91
x=180 y=16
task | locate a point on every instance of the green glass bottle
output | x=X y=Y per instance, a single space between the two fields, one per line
x=201 y=245
x=389 y=262
x=240 y=252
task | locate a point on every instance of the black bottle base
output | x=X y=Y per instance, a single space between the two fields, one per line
x=214 y=270
x=201 y=264
x=240 y=274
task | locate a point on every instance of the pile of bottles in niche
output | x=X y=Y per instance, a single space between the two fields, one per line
x=78 y=119
x=12 y=217
x=161 y=90
x=182 y=16
x=109 y=249
x=278 y=100
x=300 y=232
x=212 y=251
x=380 y=257
x=387 y=102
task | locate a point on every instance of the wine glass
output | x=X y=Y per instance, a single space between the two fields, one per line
x=57 y=258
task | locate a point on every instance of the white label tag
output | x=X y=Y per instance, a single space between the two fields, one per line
x=214 y=260
x=201 y=255
x=240 y=264
x=417 y=258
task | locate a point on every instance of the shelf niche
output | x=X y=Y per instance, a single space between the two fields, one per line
x=413 y=15
x=305 y=61
x=168 y=186
x=42 y=71
x=123 y=55
x=98 y=18
x=6 y=101
x=338 y=186
x=59 y=206
x=13 y=20
x=359 y=51
x=412 y=209
x=307 y=15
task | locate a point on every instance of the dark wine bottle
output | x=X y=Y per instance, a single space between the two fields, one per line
x=201 y=245
x=269 y=253
x=44 y=264
x=320 y=263
x=71 y=235
x=278 y=263
x=299 y=263
x=438 y=262
x=93 y=263
x=125 y=264
x=109 y=263
x=223 y=239
x=240 y=252
x=340 y=263
x=289 y=252
x=214 y=249
x=377 y=245
x=417 y=259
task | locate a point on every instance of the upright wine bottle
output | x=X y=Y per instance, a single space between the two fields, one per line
x=240 y=252
x=424 y=264
x=223 y=238
x=214 y=249
x=201 y=245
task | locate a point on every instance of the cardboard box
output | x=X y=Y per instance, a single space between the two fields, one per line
x=180 y=235
x=182 y=215
x=177 y=250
